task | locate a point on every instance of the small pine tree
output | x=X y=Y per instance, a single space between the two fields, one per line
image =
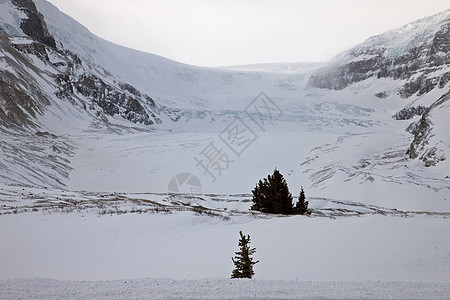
x=272 y=195
x=302 y=205
x=243 y=261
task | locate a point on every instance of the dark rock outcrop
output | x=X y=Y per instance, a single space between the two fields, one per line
x=423 y=132
x=416 y=65
x=124 y=100
x=37 y=49
x=21 y=97
x=409 y=112
x=16 y=106
x=34 y=26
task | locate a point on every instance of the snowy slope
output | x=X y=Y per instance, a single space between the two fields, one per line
x=398 y=41
x=150 y=73
x=417 y=53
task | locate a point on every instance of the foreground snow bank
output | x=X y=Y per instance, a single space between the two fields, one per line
x=217 y=289
x=184 y=245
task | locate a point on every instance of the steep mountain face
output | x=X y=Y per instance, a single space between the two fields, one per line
x=37 y=77
x=22 y=99
x=123 y=99
x=417 y=53
x=34 y=26
x=73 y=79
x=431 y=133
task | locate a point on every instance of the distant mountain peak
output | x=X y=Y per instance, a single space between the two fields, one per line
x=418 y=52
x=398 y=41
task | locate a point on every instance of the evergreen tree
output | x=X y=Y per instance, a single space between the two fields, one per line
x=302 y=205
x=243 y=261
x=272 y=195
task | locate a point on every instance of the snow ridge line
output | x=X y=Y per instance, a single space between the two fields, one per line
x=14 y=200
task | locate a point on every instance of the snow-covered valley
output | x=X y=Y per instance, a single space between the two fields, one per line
x=97 y=139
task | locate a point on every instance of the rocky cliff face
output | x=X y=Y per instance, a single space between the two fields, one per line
x=418 y=56
x=72 y=79
x=123 y=99
x=409 y=112
x=38 y=77
x=431 y=135
x=34 y=26
x=422 y=58
x=21 y=96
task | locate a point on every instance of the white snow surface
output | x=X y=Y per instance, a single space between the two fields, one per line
x=373 y=256
x=218 y=289
x=182 y=245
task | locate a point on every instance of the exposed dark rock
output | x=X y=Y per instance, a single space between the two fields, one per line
x=412 y=127
x=420 y=131
x=381 y=95
x=426 y=58
x=33 y=48
x=423 y=131
x=16 y=103
x=421 y=85
x=130 y=89
x=338 y=78
x=65 y=86
x=21 y=97
x=409 y=112
x=46 y=133
x=122 y=100
x=34 y=26
x=445 y=78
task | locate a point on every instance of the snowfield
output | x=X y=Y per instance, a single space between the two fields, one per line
x=98 y=244
x=371 y=256
x=182 y=245
x=218 y=289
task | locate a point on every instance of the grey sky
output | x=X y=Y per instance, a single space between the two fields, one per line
x=232 y=32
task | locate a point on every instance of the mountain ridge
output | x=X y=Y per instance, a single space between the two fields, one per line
x=421 y=53
x=88 y=89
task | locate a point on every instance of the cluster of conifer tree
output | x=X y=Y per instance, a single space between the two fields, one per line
x=271 y=195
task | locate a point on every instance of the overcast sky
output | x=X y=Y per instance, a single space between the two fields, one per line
x=233 y=32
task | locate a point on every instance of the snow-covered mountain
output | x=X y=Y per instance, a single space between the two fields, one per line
x=417 y=55
x=65 y=78
x=79 y=112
